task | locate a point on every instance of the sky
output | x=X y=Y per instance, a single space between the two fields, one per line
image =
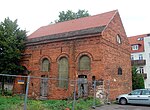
x=32 y=14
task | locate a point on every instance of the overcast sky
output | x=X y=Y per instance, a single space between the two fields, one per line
x=32 y=14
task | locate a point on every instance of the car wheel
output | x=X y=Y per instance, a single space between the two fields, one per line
x=123 y=101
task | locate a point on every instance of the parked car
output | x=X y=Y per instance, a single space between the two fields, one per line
x=138 y=96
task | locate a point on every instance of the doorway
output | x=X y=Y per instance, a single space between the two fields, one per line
x=82 y=85
x=44 y=86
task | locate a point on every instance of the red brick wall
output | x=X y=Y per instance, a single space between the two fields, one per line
x=106 y=56
x=19 y=88
x=117 y=55
x=53 y=51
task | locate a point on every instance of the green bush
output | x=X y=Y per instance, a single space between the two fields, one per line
x=137 y=79
x=8 y=93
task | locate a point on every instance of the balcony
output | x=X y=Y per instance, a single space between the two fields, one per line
x=138 y=62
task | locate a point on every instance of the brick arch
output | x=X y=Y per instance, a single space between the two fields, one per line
x=62 y=55
x=82 y=54
x=78 y=58
x=25 y=65
x=41 y=59
x=61 y=83
x=26 y=70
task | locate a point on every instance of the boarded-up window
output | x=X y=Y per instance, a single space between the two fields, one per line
x=45 y=65
x=84 y=63
x=63 y=72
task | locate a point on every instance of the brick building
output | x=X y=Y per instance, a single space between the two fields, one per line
x=94 y=47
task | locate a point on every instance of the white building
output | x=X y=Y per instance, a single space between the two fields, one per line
x=140 y=55
x=147 y=57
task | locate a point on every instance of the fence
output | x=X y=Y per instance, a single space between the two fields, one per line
x=43 y=88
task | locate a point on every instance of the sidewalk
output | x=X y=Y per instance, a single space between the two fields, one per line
x=123 y=107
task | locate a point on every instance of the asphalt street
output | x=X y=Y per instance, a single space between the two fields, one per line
x=123 y=107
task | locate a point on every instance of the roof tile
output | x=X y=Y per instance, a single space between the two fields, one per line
x=135 y=40
x=74 y=25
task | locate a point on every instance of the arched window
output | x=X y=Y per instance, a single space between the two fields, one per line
x=118 y=39
x=84 y=63
x=63 y=72
x=119 y=71
x=45 y=65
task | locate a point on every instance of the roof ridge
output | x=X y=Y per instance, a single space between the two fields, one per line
x=140 y=35
x=116 y=11
x=81 y=18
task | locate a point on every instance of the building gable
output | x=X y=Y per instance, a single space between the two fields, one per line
x=115 y=35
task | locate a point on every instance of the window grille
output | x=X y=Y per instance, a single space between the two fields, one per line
x=84 y=63
x=63 y=72
x=45 y=65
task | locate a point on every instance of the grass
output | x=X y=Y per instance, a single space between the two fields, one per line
x=10 y=103
x=17 y=103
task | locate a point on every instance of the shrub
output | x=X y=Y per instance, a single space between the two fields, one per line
x=8 y=93
x=137 y=79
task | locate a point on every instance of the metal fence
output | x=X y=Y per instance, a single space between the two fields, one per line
x=46 y=88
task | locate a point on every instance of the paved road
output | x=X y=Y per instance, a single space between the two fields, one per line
x=123 y=107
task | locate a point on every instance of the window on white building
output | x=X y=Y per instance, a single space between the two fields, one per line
x=149 y=44
x=141 y=70
x=149 y=55
x=140 y=57
x=135 y=47
x=132 y=57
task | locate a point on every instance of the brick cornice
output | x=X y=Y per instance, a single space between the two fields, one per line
x=65 y=36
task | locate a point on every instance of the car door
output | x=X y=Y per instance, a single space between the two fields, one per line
x=134 y=96
x=145 y=97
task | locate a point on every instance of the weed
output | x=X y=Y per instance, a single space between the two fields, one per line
x=17 y=103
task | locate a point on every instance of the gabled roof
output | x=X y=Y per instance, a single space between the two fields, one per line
x=90 y=22
x=137 y=40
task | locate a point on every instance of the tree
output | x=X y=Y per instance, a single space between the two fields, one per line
x=69 y=15
x=11 y=46
x=137 y=79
